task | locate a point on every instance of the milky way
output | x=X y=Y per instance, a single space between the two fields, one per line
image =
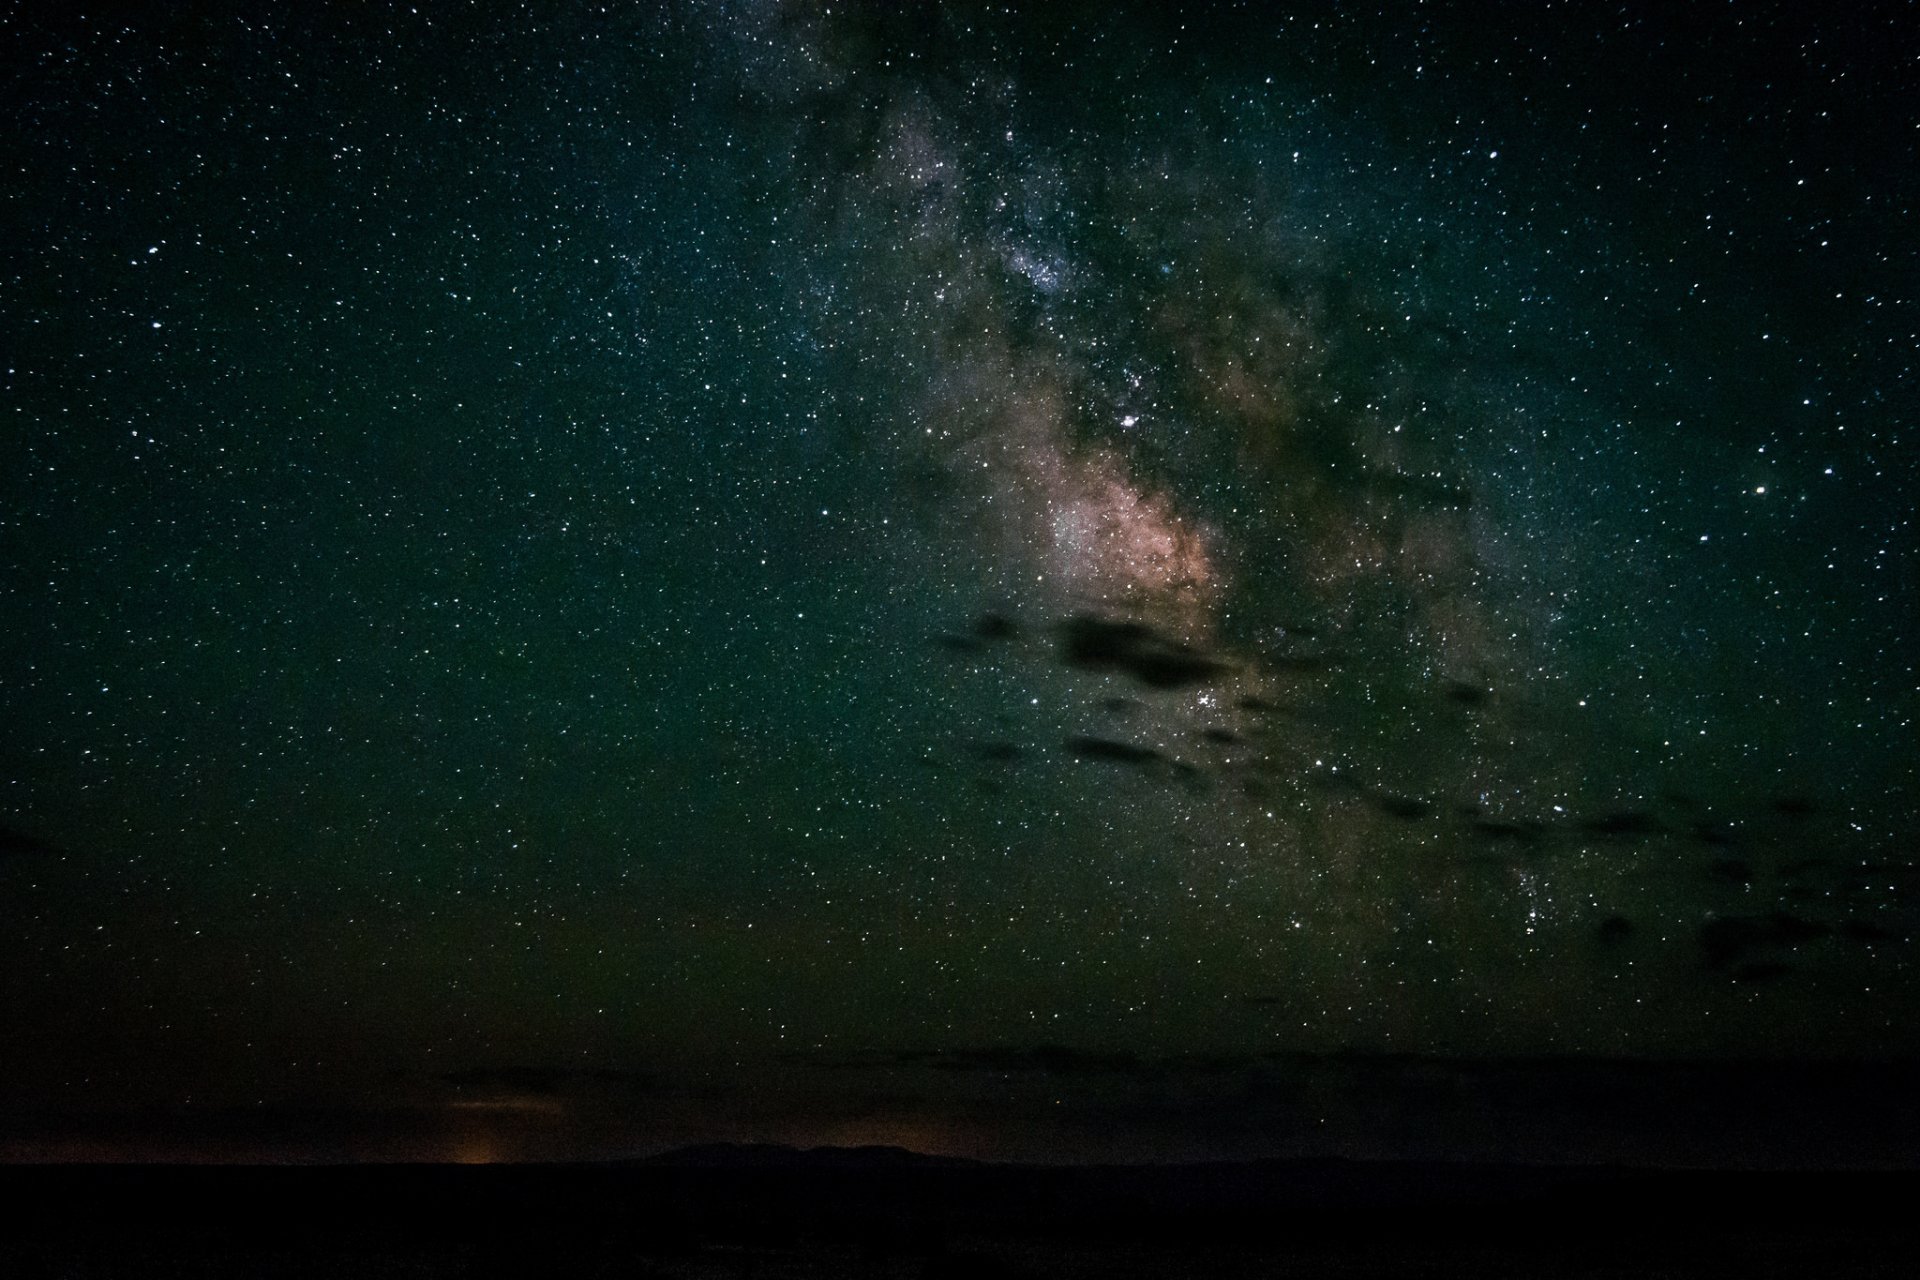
x=824 y=570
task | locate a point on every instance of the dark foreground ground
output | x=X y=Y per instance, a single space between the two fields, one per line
x=877 y=1213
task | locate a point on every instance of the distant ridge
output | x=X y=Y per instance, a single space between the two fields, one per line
x=775 y=1155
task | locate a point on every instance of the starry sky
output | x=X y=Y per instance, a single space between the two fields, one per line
x=1074 y=580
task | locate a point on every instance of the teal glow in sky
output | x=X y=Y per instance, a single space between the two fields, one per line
x=588 y=580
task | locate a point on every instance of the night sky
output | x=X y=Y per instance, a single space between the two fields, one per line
x=1096 y=581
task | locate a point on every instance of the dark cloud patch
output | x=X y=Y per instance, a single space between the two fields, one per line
x=1405 y=808
x=1465 y=694
x=1135 y=650
x=19 y=844
x=1622 y=824
x=1301 y=663
x=995 y=626
x=1333 y=782
x=1713 y=835
x=1614 y=930
x=1797 y=808
x=1729 y=940
x=1106 y=749
x=1761 y=972
x=1730 y=871
x=998 y=752
x=987 y=629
